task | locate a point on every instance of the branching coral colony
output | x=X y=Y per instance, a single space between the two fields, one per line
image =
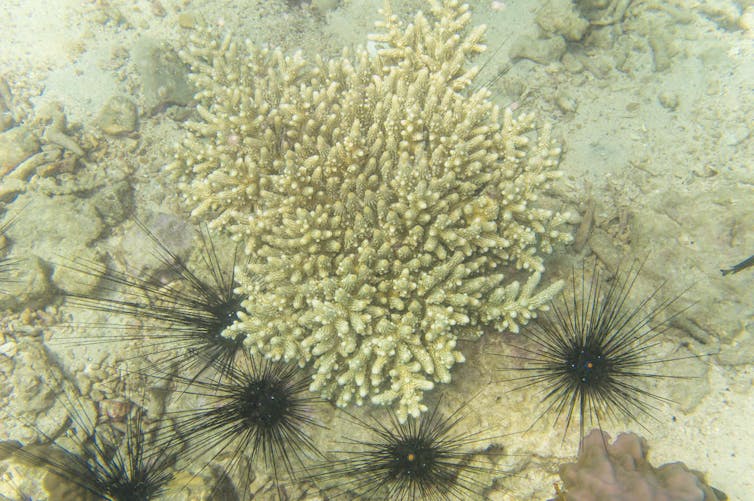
x=383 y=201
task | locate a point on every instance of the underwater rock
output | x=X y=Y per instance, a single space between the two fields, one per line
x=668 y=100
x=323 y=6
x=164 y=79
x=72 y=281
x=542 y=51
x=31 y=368
x=61 y=227
x=57 y=132
x=118 y=116
x=16 y=145
x=30 y=286
x=114 y=203
x=10 y=187
x=560 y=18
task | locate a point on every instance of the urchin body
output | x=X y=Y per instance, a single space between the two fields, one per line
x=261 y=411
x=425 y=458
x=593 y=353
x=184 y=312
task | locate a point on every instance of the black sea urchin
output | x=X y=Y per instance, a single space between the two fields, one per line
x=261 y=410
x=129 y=465
x=425 y=458
x=591 y=352
x=189 y=309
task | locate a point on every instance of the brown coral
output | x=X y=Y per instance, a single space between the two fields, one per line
x=621 y=472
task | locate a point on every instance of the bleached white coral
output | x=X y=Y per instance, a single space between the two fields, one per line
x=383 y=202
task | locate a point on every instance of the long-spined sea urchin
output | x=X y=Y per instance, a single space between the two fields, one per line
x=187 y=315
x=112 y=463
x=590 y=355
x=261 y=410
x=426 y=458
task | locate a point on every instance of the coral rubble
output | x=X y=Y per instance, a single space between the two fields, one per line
x=386 y=203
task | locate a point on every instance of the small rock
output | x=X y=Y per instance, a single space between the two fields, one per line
x=736 y=135
x=118 y=116
x=16 y=145
x=322 y=6
x=30 y=287
x=187 y=20
x=164 y=78
x=73 y=281
x=560 y=17
x=572 y=63
x=10 y=187
x=114 y=409
x=541 y=51
x=668 y=100
x=746 y=21
x=114 y=203
x=566 y=103
x=57 y=228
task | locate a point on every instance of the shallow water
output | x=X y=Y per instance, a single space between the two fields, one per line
x=651 y=102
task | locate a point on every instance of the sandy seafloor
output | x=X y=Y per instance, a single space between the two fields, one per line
x=655 y=113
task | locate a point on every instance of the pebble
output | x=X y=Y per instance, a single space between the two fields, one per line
x=186 y=20
x=73 y=281
x=118 y=116
x=571 y=63
x=668 y=100
x=746 y=21
x=322 y=6
x=543 y=51
x=8 y=349
x=566 y=103
x=736 y=135
x=163 y=76
x=16 y=145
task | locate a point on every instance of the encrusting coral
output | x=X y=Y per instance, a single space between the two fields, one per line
x=620 y=471
x=383 y=200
